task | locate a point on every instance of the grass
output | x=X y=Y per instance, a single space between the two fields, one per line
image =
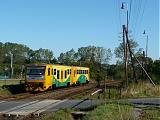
x=139 y=90
x=142 y=89
x=111 y=112
x=151 y=114
x=102 y=112
x=4 y=92
x=63 y=114
x=9 y=82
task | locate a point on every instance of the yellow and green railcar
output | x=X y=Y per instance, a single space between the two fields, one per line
x=42 y=77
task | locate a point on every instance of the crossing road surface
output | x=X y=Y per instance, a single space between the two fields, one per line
x=24 y=108
x=36 y=107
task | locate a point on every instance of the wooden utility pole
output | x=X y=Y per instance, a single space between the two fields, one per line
x=125 y=57
x=130 y=52
x=144 y=70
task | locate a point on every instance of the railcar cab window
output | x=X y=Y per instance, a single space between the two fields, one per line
x=49 y=70
x=35 y=70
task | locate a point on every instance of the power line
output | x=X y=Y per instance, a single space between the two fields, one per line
x=130 y=8
x=119 y=2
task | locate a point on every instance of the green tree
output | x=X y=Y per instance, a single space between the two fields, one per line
x=67 y=58
x=92 y=53
x=119 y=51
x=41 y=56
x=19 y=52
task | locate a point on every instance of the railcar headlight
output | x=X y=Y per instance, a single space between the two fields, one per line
x=27 y=77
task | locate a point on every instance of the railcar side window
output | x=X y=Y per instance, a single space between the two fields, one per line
x=49 y=71
x=62 y=74
x=87 y=71
x=57 y=74
x=68 y=71
x=54 y=71
x=65 y=75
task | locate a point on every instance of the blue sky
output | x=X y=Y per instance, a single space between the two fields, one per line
x=61 y=25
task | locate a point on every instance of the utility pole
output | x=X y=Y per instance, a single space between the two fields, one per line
x=128 y=48
x=125 y=49
x=147 y=47
x=146 y=43
x=11 y=64
x=125 y=57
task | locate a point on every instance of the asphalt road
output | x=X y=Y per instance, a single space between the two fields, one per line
x=37 y=107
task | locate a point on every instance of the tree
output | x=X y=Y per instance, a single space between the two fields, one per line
x=92 y=53
x=119 y=51
x=67 y=58
x=41 y=56
x=2 y=52
x=19 y=52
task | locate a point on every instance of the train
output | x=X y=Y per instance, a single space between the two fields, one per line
x=43 y=77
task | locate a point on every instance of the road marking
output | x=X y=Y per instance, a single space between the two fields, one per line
x=18 y=107
x=2 y=101
x=32 y=108
x=49 y=106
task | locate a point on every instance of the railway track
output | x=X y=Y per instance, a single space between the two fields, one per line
x=60 y=93
x=65 y=93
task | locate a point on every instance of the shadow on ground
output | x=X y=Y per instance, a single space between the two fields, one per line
x=15 y=89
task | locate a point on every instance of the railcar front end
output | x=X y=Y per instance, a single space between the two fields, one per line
x=36 y=78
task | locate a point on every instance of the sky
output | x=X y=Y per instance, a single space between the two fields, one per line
x=60 y=25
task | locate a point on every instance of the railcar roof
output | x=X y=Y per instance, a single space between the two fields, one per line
x=44 y=64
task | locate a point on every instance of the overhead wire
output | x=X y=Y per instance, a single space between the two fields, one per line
x=119 y=1
x=118 y=4
x=137 y=14
x=130 y=9
x=140 y=19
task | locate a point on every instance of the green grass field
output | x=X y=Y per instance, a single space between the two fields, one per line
x=9 y=82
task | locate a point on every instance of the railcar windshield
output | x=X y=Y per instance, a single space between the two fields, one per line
x=35 y=70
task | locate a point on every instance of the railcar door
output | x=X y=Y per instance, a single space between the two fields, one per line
x=48 y=77
x=73 y=75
